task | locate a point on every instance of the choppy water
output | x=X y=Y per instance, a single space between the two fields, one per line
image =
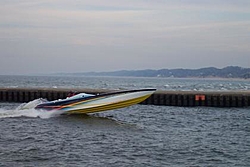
x=124 y=83
x=140 y=135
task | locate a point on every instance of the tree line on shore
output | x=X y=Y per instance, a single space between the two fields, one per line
x=209 y=72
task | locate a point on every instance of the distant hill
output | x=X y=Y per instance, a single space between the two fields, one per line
x=227 y=72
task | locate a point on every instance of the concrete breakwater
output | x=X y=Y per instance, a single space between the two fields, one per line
x=164 y=98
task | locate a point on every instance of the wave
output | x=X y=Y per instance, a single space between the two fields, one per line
x=28 y=110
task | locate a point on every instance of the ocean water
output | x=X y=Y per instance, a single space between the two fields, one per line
x=139 y=135
x=125 y=83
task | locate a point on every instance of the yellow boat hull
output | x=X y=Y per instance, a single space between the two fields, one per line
x=111 y=106
x=86 y=103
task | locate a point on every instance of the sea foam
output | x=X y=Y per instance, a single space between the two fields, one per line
x=28 y=110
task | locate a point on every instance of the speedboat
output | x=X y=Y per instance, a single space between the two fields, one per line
x=89 y=103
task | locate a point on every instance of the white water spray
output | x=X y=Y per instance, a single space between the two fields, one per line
x=28 y=110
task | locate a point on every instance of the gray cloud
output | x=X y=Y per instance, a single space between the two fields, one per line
x=61 y=36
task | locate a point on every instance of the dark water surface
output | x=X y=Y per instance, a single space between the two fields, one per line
x=139 y=135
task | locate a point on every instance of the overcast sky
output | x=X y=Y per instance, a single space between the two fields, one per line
x=48 y=36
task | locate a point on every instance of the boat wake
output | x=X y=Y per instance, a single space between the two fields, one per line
x=28 y=110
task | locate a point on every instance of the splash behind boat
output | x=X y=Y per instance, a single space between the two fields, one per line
x=89 y=103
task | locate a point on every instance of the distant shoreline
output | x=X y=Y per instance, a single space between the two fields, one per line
x=227 y=73
x=206 y=78
x=230 y=72
x=72 y=75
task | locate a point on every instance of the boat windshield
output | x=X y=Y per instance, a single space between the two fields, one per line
x=80 y=95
